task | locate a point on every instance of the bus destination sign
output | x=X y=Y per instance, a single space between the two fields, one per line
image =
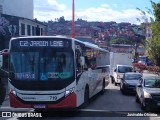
x=41 y=43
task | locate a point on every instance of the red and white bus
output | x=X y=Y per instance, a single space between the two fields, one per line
x=54 y=72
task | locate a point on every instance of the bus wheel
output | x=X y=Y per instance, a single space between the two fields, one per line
x=86 y=96
x=137 y=99
x=103 y=87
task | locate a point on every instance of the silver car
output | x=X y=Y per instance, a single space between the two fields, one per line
x=129 y=82
x=148 y=92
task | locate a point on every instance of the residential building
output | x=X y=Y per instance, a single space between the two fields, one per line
x=13 y=26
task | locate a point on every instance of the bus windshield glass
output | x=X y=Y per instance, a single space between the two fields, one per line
x=41 y=65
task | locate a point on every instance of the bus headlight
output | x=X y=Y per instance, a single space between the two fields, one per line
x=69 y=91
x=147 y=95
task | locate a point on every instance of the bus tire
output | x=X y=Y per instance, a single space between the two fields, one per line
x=86 y=96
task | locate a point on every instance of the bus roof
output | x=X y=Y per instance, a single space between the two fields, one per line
x=87 y=44
x=91 y=45
x=58 y=36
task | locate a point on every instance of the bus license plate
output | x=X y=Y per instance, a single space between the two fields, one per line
x=39 y=106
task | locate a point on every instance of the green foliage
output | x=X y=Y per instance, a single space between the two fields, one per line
x=61 y=19
x=156 y=11
x=154 y=43
x=120 y=40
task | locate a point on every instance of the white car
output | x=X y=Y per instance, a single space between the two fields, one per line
x=119 y=71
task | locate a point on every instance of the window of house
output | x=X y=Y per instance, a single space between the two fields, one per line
x=22 y=29
x=41 y=31
x=33 y=30
x=28 y=30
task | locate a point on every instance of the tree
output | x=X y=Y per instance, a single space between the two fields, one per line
x=61 y=19
x=156 y=8
x=120 y=40
x=153 y=43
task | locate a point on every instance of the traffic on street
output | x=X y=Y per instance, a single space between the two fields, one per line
x=112 y=104
x=72 y=60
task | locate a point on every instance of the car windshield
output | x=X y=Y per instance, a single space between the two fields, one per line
x=152 y=83
x=143 y=59
x=124 y=69
x=133 y=76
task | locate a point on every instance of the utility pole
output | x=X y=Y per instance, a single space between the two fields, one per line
x=73 y=22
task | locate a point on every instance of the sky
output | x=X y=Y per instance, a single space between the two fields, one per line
x=92 y=10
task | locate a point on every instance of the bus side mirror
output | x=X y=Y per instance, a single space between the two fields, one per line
x=1 y=61
x=82 y=61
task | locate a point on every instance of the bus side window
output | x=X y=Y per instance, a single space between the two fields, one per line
x=87 y=63
x=93 y=63
x=78 y=61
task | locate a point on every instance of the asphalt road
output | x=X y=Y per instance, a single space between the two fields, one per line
x=112 y=105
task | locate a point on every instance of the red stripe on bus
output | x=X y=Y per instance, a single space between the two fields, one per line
x=68 y=102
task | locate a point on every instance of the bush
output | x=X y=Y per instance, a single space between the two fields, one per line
x=140 y=66
x=153 y=68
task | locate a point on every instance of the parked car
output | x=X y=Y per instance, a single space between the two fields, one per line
x=129 y=82
x=148 y=92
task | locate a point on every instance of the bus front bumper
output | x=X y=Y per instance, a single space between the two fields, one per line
x=67 y=102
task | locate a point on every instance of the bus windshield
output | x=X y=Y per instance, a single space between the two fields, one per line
x=43 y=67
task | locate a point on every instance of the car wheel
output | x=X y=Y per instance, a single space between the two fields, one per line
x=121 y=87
x=137 y=99
x=143 y=106
x=103 y=87
x=115 y=83
x=123 y=92
x=112 y=80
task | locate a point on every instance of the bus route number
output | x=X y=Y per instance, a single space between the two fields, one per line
x=54 y=98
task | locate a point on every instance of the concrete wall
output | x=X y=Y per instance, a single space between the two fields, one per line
x=20 y=8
